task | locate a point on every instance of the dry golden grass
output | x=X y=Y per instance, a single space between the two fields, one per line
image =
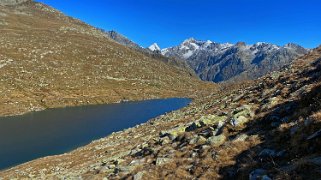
x=54 y=61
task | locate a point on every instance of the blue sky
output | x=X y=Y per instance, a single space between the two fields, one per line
x=169 y=22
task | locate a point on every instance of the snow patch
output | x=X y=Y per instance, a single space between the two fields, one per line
x=154 y=47
x=188 y=54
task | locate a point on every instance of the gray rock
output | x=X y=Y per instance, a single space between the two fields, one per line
x=241 y=137
x=316 y=161
x=161 y=161
x=315 y=135
x=265 y=177
x=165 y=140
x=293 y=130
x=197 y=140
x=242 y=115
x=239 y=121
x=139 y=175
x=267 y=153
x=307 y=121
x=192 y=127
x=216 y=141
x=259 y=174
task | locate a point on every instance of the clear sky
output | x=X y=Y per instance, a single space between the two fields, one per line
x=169 y=22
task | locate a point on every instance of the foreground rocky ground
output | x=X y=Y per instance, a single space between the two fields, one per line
x=267 y=129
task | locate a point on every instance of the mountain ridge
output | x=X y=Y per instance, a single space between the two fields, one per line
x=225 y=61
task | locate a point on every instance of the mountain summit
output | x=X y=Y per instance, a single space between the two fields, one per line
x=154 y=47
x=220 y=62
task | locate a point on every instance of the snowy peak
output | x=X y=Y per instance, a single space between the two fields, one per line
x=154 y=47
x=219 y=62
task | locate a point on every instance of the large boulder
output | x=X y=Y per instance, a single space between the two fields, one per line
x=217 y=141
x=173 y=133
x=242 y=115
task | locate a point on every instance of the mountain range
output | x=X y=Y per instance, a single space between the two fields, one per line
x=221 y=62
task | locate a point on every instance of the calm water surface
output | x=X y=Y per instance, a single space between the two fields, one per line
x=55 y=131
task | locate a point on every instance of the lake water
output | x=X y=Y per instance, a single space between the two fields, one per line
x=55 y=131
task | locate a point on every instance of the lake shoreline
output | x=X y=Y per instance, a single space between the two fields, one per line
x=122 y=125
x=34 y=109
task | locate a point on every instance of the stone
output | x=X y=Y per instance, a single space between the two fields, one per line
x=242 y=115
x=137 y=162
x=165 y=140
x=161 y=161
x=258 y=174
x=126 y=169
x=316 y=161
x=315 y=135
x=267 y=153
x=192 y=127
x=241 y=137
x=274 y=101
x=307 y=122
x=275 y=124
x=173 y=133
x=139 y=175
x=198 y=140
x=216 y=141
x=239 y=121
x=266 y=177
x=212 y=119
x=281 y=153
x=293 y=130
x=219 y=128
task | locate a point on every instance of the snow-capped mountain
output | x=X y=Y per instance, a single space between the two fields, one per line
x=220 y=62
x=154 y=47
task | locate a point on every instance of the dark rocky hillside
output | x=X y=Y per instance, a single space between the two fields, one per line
x=173 y=61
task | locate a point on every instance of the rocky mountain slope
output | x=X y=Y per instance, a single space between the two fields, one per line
x=220 y=62
x=50 y=60
x=264 y=129
x=121 y=39
x=153 y=51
